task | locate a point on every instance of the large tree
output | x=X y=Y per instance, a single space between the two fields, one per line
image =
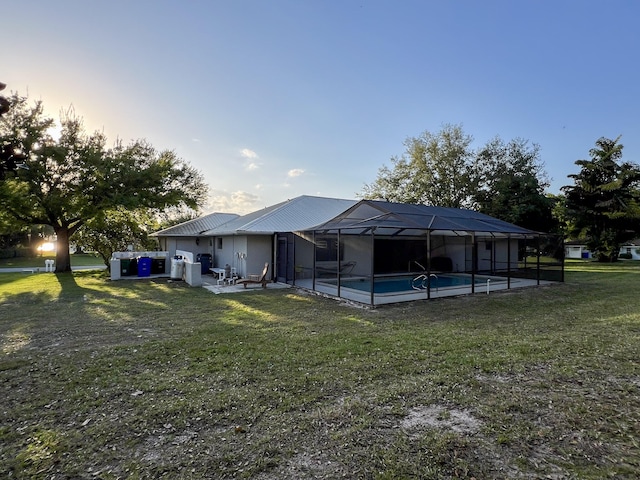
x=511 y=184
x=603 y=203
x=435 y=169
x=71 y=180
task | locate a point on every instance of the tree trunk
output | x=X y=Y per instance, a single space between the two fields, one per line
x=63 y=259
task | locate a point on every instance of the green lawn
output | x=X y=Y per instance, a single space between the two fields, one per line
x=77 y=260
x=151 y=378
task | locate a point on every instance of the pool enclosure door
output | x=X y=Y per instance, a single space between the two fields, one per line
x=285 y=255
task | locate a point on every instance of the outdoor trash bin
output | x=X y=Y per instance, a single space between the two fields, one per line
x=158 y=265
x=125 y=266
x=204 y=259
x=144 y=266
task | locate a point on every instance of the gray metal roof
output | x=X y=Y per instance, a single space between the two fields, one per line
x=399 y=218
x=197 y=226
x=300 y=213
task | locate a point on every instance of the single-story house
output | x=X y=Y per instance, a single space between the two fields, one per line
x=575 y=249
x=632 y=249
x=376 y=252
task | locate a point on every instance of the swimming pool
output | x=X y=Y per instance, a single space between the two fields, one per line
x=410 y=284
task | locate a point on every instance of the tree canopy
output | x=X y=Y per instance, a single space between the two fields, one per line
x=435 y=169
x=504 y=180
x=603 y=203
x=73 y=179
x=511 y=184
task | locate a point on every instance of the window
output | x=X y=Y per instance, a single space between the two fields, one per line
x=219 y=243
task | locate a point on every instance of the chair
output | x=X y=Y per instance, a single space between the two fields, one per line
x=257 y=279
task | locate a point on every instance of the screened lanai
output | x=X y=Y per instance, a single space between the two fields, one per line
x=380 y=252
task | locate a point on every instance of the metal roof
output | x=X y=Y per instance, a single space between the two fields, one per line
x=296 y=214
x=197 y=226
x=398 y=218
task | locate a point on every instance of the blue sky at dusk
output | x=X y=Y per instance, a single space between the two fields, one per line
x=273 y=99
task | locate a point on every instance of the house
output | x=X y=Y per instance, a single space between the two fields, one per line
x=376 y=252
x=630 y=251
x=576 y=249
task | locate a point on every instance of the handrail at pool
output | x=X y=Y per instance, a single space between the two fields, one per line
x=434 y=275
x=422 y=286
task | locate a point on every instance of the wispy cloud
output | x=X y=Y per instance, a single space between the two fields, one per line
x=250 y=157
x=248 y=153
x=233 y=202
x=296 y=172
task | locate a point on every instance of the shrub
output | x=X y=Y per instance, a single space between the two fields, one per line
x=15 y=252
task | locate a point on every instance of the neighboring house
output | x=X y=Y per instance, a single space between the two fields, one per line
x=189 y=235
x=576 y=249
x=632 y=249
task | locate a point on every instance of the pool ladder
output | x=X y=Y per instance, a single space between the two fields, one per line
x=423 y=279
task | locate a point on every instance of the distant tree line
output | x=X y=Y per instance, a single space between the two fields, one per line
x=507 y=180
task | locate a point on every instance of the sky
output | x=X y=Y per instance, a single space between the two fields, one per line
x=272 y=99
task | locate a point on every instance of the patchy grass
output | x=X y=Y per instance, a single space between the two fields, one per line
x=145 y=378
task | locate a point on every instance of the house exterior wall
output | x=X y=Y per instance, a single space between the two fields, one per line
x=247 y=253
x=260 y=249
x=577 y=251
x=505 y=260
x=358 y=249
x=189 y=244
x=455 y=249
x=231 y=250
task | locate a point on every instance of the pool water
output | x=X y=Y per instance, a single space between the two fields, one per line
x=403 y=284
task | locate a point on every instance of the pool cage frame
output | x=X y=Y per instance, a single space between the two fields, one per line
x=379 y=246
